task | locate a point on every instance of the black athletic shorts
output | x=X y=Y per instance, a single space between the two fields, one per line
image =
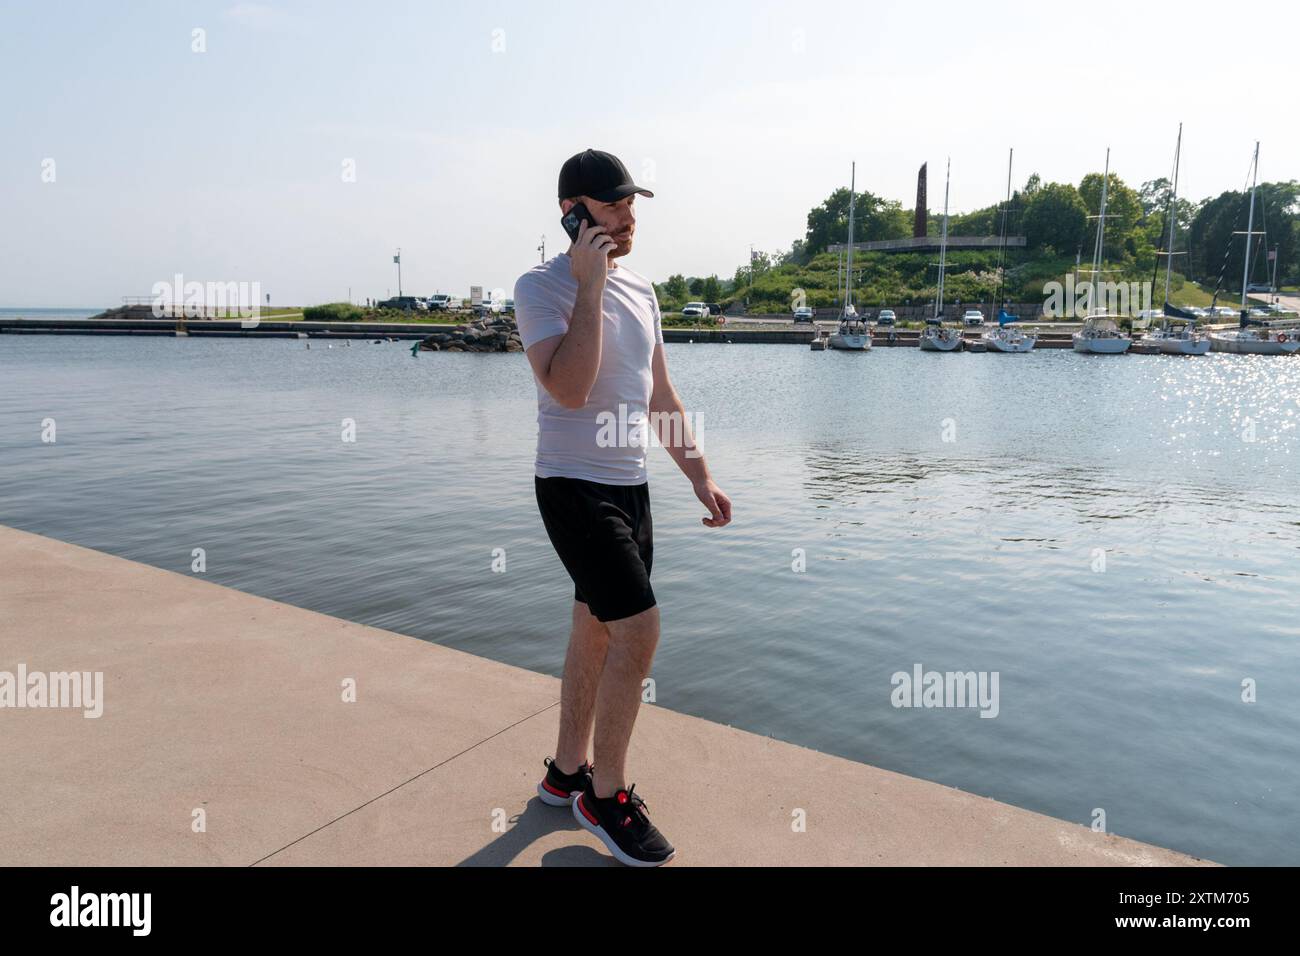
x=602 y=534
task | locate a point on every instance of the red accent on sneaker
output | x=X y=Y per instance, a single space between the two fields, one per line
x=582 y=808
x=555 y=790
x=622 y=796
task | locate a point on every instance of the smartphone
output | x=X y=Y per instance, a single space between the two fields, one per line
x=572 y=220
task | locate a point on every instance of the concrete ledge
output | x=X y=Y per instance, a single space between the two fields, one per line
x=219 y=701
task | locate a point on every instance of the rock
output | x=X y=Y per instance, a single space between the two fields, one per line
x=484 y=335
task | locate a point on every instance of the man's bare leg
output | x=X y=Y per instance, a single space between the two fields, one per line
x=632 y=643
x=583 y=664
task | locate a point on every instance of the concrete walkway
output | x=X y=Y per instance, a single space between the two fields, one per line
x=228 y=708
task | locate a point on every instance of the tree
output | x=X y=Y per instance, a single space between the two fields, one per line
x=1124 y=215
x=1154 y=196
x=874 y=219
x=981 y=222
x=1055 y=218
x=1216 y=252
x=711 y=290
x=676 y=289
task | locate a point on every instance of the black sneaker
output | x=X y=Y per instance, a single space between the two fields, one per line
x=622 y=825
x=559 y=789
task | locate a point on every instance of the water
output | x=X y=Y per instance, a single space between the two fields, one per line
x=47 y=313
x=1119 y=689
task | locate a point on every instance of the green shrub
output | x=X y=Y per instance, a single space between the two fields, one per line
x=688 y=322
x=334 y=312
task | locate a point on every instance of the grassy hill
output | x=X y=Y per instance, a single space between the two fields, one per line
x=894 y=279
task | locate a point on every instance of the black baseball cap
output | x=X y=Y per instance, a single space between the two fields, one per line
x=597 y=174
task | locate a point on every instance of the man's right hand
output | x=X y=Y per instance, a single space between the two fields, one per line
x=589 y=254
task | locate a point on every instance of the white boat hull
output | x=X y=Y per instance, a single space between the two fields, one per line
x=1000 y=343
x=850 y=341
x=949 y=342
x=1106 y=345
x=1176 y=346
x=1249 y=345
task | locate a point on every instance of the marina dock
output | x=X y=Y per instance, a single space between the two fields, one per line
x=229 y=736
x=270 y=329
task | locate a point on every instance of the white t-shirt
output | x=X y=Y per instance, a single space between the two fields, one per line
x=606 y=439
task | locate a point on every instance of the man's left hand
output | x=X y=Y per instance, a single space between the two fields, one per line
x=719 y=504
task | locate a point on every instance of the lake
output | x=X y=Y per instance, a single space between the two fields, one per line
x=1116 y=538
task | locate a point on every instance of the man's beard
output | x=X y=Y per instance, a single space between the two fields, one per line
x=621 y=248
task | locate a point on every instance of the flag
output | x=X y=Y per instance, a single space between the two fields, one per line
x=397 y=259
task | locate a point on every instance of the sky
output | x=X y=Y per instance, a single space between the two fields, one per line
x=214 y=140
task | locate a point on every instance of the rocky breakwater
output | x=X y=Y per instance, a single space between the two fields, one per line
x=498 y=334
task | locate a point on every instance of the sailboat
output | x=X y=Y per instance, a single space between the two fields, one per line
x=1177 y=333
x=1246 y=339
x=1100 y=335
x=1003 y=338
x=852 y=335
x=934 y=337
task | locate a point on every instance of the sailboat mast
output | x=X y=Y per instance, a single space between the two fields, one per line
x=1002 y=244
x=943 y=243
x=1101 y=235
x=1173 y=202
x=848 y=275
x=1250 y=232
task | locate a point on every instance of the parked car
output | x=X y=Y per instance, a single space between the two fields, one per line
x=442 y=302
x=715 y=308
x=972 y=317
x=407 y=303
x=695 y=310
x=803 y=314
x=886 y=317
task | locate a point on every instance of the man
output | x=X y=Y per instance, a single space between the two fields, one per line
x=591 y=329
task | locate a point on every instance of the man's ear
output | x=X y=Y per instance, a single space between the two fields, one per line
x=566 y=205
